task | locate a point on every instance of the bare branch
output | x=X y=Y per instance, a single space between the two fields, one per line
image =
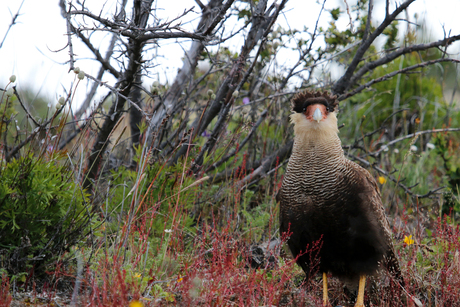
x=393 y=55
x=233 y=152
x=395 y=180
x=369 y=19
x=190 y=62
x=24 y=107
x=141 y=12
x=343 y=83
x=276 y=158
x=261 y=25
x=392 y=74
x=409 y=136
x=105 y=62
x=13 y=22
x=66 y=15
x=93 y=90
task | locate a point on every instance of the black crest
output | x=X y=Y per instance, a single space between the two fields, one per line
x=302 y=100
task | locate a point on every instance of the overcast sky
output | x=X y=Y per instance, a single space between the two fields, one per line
x=28 y=49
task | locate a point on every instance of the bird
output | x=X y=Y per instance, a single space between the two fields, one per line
x=325 y=197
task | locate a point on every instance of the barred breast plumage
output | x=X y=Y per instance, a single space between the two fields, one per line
x=329 y=199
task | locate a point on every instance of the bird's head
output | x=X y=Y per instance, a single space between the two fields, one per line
x=314 y=113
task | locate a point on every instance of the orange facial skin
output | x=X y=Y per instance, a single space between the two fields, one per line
x=311 y=109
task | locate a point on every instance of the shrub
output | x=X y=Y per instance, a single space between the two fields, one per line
x=42 y=211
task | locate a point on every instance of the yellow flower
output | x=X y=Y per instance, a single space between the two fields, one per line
x=408 y=240
x=137 y=275
x=382 y=180
x=136 y=304
x=180 y=279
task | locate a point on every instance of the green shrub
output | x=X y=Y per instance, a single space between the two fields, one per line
x=42 y=211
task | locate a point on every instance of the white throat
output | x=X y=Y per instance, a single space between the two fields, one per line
x=306 y=130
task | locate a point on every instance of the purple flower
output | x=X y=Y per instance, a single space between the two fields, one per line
x=246 y=100
x=206 y=134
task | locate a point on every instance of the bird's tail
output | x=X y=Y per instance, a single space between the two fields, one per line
x=392 y=265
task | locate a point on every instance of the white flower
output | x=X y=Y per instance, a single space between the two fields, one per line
x=12 y=78
x=76 y=70
x=10 y=92
x=384 y=148
x=396 y=150
x=203 y=66
x=154 y=90
x=61 y=101
x=430 y=146
x=81 y=75
x=168 y=230
x=235 y=94
x=210 y=93
x=413 y=148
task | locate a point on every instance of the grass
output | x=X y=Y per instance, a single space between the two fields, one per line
x=162 y=253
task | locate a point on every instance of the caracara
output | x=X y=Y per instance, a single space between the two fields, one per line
x=326 y=197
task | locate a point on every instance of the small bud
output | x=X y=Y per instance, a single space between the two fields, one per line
x=156 y=83
x=12 y=78
x=61 y=101
x=210 y=93
x=235 y=94
x=81 y=75
x=154 y=90
x=10 y=92
x=213 y=96
x=76 y=70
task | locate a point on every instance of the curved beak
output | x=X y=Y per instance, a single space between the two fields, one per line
x=317 y=115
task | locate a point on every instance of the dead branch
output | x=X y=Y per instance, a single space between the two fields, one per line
x=243 y=143
x=13 y=22
x=392 y=74
x=344 y=82
x=141 y=11
x=190 y=61
x=260 y=27
x=276 y=158
x=409 y=136
x=395 y=180
x=393 y=55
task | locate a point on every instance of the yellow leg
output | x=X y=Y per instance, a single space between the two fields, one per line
x=325 y=298
x=362 y=283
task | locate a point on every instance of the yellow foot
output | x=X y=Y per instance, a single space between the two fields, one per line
x=325 y=298
x=362 y=283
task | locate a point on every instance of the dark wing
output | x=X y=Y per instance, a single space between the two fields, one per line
x=390 y=260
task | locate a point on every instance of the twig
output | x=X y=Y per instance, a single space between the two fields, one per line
x=388 y=175
x=393 y=55
x=392 y=74
x=66 y=15
x=344 y=82
x=409 y=136
x=24 y=107
x=13 y=22
x=243 y=143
